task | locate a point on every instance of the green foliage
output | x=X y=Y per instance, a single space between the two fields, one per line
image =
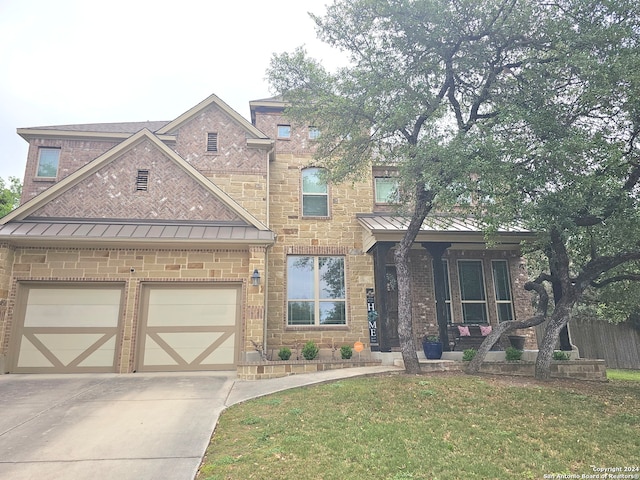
x=9 y=195
x=346 y=352
x=468 y=354
x=560 y=355
x=284 y=353
x=512 y=354
x=310 y=350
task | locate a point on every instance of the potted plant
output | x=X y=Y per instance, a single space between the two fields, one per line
x=432 y=347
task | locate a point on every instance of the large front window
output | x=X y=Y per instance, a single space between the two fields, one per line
x=315 y=194
x=315 y=291
x=472 y=292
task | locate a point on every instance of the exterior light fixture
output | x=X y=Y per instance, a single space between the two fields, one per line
x=255 y=278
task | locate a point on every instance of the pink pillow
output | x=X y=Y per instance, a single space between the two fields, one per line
x=484 y=331
x=464 y=331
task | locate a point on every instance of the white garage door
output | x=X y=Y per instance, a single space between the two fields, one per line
x=67 y=329
x=191 y=327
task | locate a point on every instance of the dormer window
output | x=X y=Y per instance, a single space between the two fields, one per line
x=48 y=160
x=284 y=131
x=212 y=142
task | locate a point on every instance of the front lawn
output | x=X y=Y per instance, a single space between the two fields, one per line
x=441 y=426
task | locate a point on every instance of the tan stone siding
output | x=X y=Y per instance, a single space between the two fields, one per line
x=338 y=234
x=6 y=268
x=111 y=192
x=134 y=266
x=250 y=191
x=73 y=155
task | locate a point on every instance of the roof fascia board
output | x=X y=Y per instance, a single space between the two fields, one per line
x=31 y=133
x=24 y=210
x=212 y=99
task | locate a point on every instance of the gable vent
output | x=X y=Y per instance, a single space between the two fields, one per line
x=142 y=181
x=212 y=142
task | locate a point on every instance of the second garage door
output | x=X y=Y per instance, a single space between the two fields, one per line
x=192 y=327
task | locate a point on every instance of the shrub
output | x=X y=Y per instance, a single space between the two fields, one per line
x=310 y=350
x=560 y=355
x=284 y=353
x=346 y=352
x=512 y=354
x=468 y=354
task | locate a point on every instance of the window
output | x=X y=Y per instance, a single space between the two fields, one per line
x=142 y=181
x=472 y=292
x=386 y=189
x=502 y=286
x=315 y=196
x=48 y=159
x=314 y=133
x=212 y=142
x=447 y=290
x=284 y=131
x=315 y=291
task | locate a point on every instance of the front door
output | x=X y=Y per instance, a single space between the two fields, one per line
x=392 y=305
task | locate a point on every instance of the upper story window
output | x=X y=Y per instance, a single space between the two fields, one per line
x=314 y=133
x=316 y=293
x=48 y=160
x=315 y=193
x=284 y=131
x=386 y=189
x=212 y=142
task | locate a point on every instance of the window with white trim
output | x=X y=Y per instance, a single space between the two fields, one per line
x=48 y=162
x=502 y=287
x=316 y=293
x=472 y=291
x=315 y=193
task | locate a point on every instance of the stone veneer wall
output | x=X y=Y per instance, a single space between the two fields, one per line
x=110 y=264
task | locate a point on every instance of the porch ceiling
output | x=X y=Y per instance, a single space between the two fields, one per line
x=460 y=231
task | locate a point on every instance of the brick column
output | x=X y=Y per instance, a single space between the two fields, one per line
x=254 y=332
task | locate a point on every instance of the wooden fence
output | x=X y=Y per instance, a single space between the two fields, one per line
x=618 y=345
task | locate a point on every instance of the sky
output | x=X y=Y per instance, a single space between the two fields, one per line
x=79 y=61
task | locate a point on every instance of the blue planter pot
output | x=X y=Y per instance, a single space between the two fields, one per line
x=432 y=350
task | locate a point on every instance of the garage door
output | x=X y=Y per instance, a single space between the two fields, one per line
x=66 y=329
x=189 y=328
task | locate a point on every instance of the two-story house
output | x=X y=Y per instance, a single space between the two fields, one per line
x=192 y=244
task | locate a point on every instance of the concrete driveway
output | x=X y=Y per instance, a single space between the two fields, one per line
x=104 y=426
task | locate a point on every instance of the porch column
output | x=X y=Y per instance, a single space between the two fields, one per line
x=380 y=252
x=436 y=250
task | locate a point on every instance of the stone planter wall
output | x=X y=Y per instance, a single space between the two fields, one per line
x=276 y=369
x=592 y=370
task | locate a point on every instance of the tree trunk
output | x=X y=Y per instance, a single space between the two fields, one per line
x=422 y=207
x=557 y=321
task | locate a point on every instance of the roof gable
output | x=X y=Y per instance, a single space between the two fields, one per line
x=97 y=190
x=171 y=127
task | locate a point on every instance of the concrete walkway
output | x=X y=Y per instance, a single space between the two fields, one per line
x=124 y=427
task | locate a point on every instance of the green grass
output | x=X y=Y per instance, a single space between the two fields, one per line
x=428 y=427
x=630 y=375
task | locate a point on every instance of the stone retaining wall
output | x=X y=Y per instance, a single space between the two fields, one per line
x=592 y=370
x=266 y=370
